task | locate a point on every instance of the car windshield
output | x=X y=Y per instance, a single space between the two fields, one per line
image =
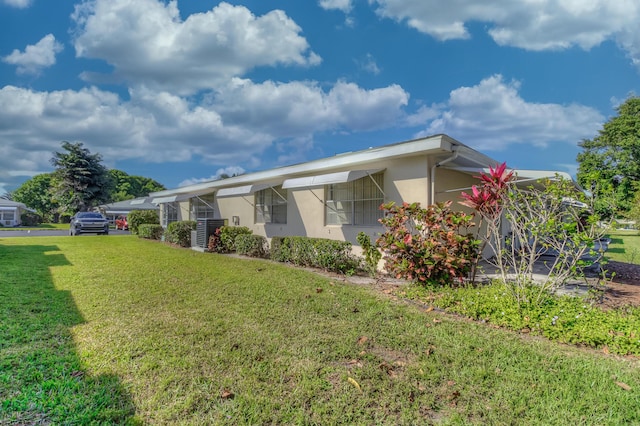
x=89 y=215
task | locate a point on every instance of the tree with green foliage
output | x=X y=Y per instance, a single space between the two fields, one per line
x=81 y=181
x=126 y=187
x=37 y=193
x=609 y=164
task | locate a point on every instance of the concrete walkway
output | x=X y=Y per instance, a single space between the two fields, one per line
x=574 y=286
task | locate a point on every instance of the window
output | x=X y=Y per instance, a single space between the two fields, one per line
x=271 y=205
x=7 y=215
x=169 y=213
x=202 y=207
x=355 y=203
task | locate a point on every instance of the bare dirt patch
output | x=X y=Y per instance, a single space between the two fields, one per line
x=622 y=287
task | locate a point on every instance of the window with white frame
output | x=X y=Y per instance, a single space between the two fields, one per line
x=271 y=205
x=356 y=202
x=169 y=213
x=202 y=207
x=7 y=215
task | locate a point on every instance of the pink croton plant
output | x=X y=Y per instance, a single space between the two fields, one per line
x=486 y=198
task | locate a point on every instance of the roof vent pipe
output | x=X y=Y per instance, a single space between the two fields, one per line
x=433 y=172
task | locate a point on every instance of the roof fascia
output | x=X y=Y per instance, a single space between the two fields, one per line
x=437 y=144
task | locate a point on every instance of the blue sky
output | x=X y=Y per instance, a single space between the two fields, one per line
x=184 y=91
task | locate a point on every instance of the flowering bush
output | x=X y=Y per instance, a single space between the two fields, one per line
x=427 y=245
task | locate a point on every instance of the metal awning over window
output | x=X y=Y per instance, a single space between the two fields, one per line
x=328 y=179
x=163 y=200
x=237 y=191
x=180 y=197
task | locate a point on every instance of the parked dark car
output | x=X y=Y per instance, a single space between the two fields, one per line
x=121 y=223
x=87 y=223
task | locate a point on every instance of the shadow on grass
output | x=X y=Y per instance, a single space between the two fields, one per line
x=41 y=376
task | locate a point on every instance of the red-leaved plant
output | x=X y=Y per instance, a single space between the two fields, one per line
x=487 y=199
x=427 y=245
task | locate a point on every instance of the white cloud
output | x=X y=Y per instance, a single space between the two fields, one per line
x=20 y=4
x=235 y=126
x=35 y=57
x=492 y=116
x=342 y=5
x=369 y=65
x=228 y=171
x=297 y=109
x=529 y=24
x=147 y=42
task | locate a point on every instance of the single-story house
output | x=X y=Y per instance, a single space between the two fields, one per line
x=10 y=212
x=123 y=208
x=335 y=197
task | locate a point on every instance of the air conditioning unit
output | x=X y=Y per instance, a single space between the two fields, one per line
x=205 y=228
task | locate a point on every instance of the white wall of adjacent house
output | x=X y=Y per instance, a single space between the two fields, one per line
x=9 y=216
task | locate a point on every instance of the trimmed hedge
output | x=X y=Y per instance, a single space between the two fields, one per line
x=252 y=245
x=139 y=217
x=150 y=231
x=30 y=219
x=323 y=253
x=180 y=232
x=224 y=239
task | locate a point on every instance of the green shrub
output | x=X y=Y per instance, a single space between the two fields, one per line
x=252 y=245
x=371 y=253
x=565 y=319
x=139 y=217
x=150 y=231
x=280 y=249
x=30 y=219
x=64 y=218
x=180 y=232
x=323 y=253
x=224 y=239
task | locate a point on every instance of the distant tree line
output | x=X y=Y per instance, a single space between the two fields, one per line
x=78 y=183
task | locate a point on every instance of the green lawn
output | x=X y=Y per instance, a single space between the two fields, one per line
x=120 y=330
x=42 y=226
x=624 y=247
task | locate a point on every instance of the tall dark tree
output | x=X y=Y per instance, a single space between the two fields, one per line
x=37 y=193
x=127 y=186
x=609 y=164
x=81 y=181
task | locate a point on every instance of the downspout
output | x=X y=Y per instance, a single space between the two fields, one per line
x=433 y=172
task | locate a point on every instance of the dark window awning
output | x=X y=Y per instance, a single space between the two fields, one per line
x=328 y=179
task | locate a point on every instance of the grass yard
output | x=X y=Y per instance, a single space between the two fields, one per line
x=41 y=227
x=118 y=330
x=624 y=247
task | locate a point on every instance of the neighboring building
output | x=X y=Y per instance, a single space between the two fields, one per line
x=123 y=208
x=335 y=197
x=10 y=212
